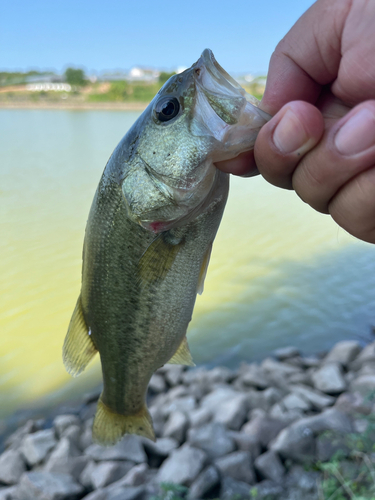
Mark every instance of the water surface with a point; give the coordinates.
(280, 273)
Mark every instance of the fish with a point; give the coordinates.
(149, 236)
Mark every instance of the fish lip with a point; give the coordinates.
(218, 72)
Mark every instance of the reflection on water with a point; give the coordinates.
(280, 274)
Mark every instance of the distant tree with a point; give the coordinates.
(163, 77)
(75, 77)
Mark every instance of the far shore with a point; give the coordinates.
(81, 106)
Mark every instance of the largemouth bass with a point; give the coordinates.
(149, 235)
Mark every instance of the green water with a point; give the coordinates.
(280, 273)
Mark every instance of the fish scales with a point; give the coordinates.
(148, 239)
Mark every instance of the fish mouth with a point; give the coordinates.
(218, 72)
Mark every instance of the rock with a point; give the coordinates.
(62, 422)
(157, 383)
(205, 483)
(73, 433)
(303, 378)
(365, 356)
(199, 416)
(254, 376)
(268, 490)
(14, 440)
(108, 472)
(237, 465)
(219, 375)
(232, 412)
(296, 402)
(85, 477)
(213, 438)
(343, 352)
(329, 379)
(176, 426)
(48, 486)
(73, 466)
(126, 493)
(184, 404)
(129, 448)
(233, 489)
(161, 448)
(305, 481)
(286, 352)
(136, 476)
(96, 495)
(327, 444)
(263, 428)
(269, 466)
(214, 401)
(246, 442)
(297, 441)
(182, 466)
(173, 374)
(313, 396)
(35, 447)
(279, 412)
(277, 370)
(353, 403)
(12, 466)
(64, 449)
(8, 493)
(364, 384)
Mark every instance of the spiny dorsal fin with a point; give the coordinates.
(158, 259)
(109, 427)
(203, 271)
(78, 349)
(183, 355)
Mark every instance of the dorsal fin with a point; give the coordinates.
(78, 349)
(183, 355)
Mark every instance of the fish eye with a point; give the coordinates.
(166, 108)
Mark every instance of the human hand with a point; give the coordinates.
(321, 91)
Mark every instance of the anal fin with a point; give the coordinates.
(78, 349)
(183, 355)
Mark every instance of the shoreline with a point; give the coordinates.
(76, 106)
(261, 431)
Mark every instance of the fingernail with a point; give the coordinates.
(289, 135)
(357, 134)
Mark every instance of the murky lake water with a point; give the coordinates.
(280, 273)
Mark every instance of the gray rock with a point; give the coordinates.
(161, 448)
(232, 412)
(173, 374)
(219, 375)
(353, 403)
(85, 439)
(343, 352)
(182, 466)
(73, 433)
(184, 404)
(8, 493)
(252, 375)
(268, 490)
(48, 486)
(126, 493)
(62, 422)
(329, 378)
(279, 412)
(264, 428)
(237, 465)
(158, 419)
(246, 442)
(14, 440)
(35, 447)
(214, 401)
(205, 482)
(213, 438)
(64, 449)
(12, 466)
(315, 397)
(136, 476)
(199, 416)
(364, 384)
(73, 466)
(297, 441)
(300, 378)
(305, 481)
(327, 444)
(294, 401)
(276, 370)
(129, 448)
(365, 356)
(108, 472)
(366, 369)
(96, 495)
(157, 383)
(176, 426)
(269, 466)
(195, 375)
(85, 477)
(233, 489)
(286, 352)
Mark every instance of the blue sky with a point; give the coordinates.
(107, 34)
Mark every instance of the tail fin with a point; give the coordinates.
(109, 427)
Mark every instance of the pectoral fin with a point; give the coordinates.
(78, 349)
(203, 271)
(158, 258)
(183, 355)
